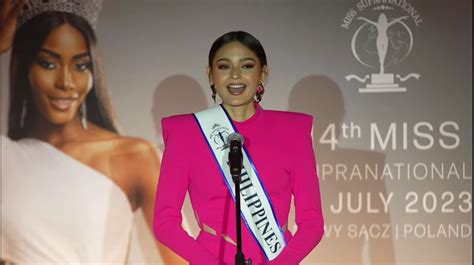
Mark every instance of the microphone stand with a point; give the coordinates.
(235, 159)
(239, 256)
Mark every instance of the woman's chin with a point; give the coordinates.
(238, 102)
(60, 119)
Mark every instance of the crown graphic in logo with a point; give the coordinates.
(87, 9)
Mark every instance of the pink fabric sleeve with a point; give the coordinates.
(309, 217)
(171, 191)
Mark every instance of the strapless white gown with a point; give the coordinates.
(56, 210)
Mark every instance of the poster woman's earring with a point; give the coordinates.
(84, 115)
(24, 109)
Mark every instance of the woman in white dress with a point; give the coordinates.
(70, 181)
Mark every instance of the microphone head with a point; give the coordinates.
(235, 137)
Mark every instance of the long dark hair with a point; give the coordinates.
(29, 39)
(245, 39)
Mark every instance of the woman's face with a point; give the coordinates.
(236, 72)
(61, 77)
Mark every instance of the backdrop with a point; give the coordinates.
(389, 83)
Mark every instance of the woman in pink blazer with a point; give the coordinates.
(279, 145)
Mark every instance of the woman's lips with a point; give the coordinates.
(62, 104)
(236, 89)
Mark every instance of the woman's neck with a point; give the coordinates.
(58, 134)
(242, 112)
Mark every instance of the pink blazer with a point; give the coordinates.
(280, 145)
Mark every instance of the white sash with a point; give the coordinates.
(256, 208)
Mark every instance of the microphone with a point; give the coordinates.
(235, 142)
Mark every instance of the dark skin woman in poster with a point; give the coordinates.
(70, 182)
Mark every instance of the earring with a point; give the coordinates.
(23, 113)
(83, 111)
(260, 91)
(213, 88)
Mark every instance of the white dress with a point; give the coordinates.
(56, 210)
